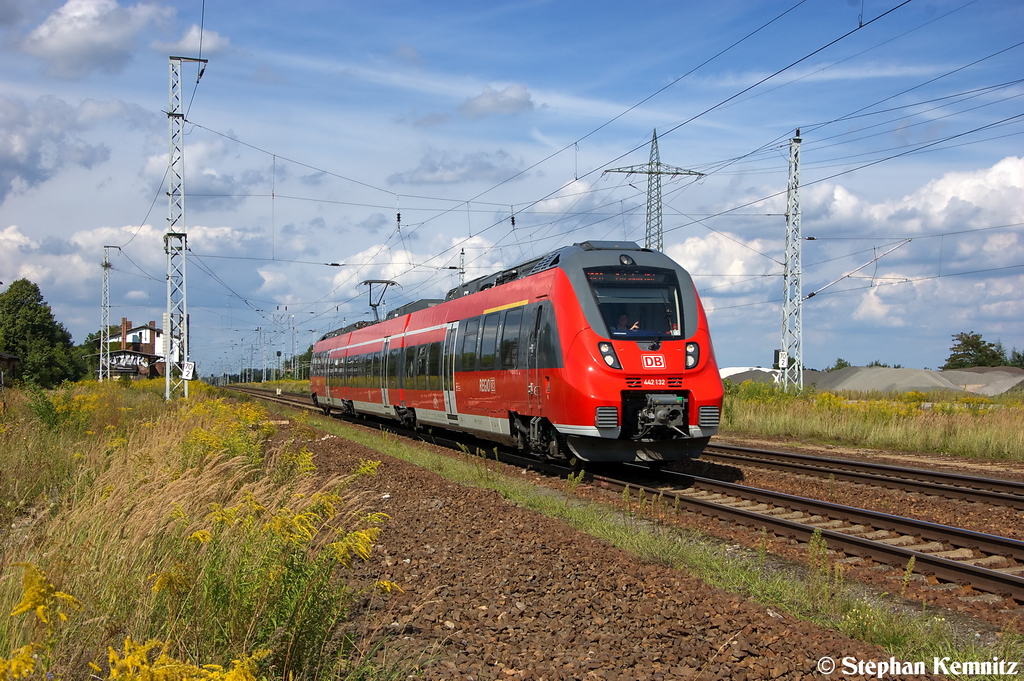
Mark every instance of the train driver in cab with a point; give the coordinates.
(624, 324)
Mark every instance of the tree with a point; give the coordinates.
(970, 350)
(840, 364)
(89, 350)
(28, 330)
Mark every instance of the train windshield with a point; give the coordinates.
(637, 302)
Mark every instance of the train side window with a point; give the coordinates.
(394, 362)
(467, 347)
(421, 367)
(375, 371)
(489, 341)
(549, 354)
(510, 339)
(434, 366)
(408, 367)
(528, 336)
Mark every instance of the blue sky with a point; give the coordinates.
(315, 123)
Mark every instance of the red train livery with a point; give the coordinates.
(599, 350)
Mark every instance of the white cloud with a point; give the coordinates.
(873, 309)
(87, 35)
(438, 167)
(37, 141)
(512, 100)
(194, 41)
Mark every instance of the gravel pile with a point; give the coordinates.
(987, 381)
(493, 591)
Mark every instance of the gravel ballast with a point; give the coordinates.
(494, 591)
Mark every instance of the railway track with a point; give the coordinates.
(936, 483)
(986, 562)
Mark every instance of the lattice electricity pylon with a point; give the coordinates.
(792, 298)
(176, 358)
(104, 372)
(654, 169)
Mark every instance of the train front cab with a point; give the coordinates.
(648, 389)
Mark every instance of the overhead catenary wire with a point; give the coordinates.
(525, 239)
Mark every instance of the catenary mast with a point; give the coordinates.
(104, 373)
(654, 170)
(791, 363)
(177, 368)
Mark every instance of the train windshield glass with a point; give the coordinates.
(637, 302)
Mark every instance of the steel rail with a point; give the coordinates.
(985, 579)
(951, 485)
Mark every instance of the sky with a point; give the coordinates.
(409, 141)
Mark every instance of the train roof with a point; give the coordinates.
(537, 265)
(519, 271)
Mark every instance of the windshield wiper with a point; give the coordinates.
(656, 345)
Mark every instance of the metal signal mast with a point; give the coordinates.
(792, 366)
(654, 169)
(177, 368)
(104, 374)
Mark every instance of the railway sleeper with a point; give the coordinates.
(855, 530)
(1015, 570)
(828, 524)
(991, 561)
(899, 540)
(927, 547)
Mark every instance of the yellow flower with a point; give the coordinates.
(201, 536)
(135, 664)
(172, 580)
(293, 527)
(219, 514)
(384, 586)
(41, 596)
(366, 468)
(375, 518)
(355, 544)
(21, 664)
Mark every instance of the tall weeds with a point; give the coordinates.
(175, 523)
(955, 424)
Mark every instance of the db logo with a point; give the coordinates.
(653, 361)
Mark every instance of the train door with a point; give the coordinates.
(532, 325)
(448, 353)
(384, 367)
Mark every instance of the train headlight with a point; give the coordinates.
(608, 355)
(692, 355)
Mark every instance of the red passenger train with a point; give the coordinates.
(599, 350)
